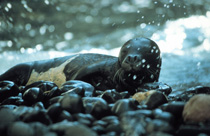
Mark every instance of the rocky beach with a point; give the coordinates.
(76, 108)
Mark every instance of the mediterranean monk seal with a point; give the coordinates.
(139, 62)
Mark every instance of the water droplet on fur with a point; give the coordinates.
(152, 51)
(134, 77)
(148, 66)
(138, 49)
(143, 66)
(98, 84)
(156, 51)
(9, 5)
(129, 75)
(128, 46)
(152, 76)
(154, 47)
(158, 65)
(138, 64)
(143, 60)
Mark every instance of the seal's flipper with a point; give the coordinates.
(19, 74)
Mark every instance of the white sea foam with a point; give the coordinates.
(184, 33)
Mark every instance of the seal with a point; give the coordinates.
(139, 62)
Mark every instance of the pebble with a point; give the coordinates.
(175, 108)
(55, 91)
(39, 128)
(142, 96)
(48, 88)
(152, 98)
(45, 86)
(22, 110)
(155, 100)
(113, 124)
(64, 115)
(145, 112)
(79, 91)
(99, 129)
(39, 106)
(13, 100)
(158, 125)
(115, 127)
(87, 88)
(50, 134)
(199, 90)
(164, 116)
(53, 100)
(71, 129)
(54, 111)
(110, 119)
(33, 95)
(158, 86)
(100, 123)
(76, 108)
(124, 105)
(111, 96)
(7, 89)
(159, 134)
(193, 130)
(197, 109)
(72, 103)
(125, 94)
(100, 109)
(86, 119)
(98, 92)
(37, 116)
(133, 124)
(189, 93)
(12, 107)
(20, 129)
(88, 103)
(6, 118)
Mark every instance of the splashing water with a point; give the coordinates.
(185, 33)
(134, 77)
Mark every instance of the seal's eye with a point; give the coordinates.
(148, 53)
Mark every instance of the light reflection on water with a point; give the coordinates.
(185, 33)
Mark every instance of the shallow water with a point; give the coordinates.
(184, 38)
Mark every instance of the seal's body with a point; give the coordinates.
(60, 70)
(139, 62)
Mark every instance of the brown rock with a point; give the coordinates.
(142, 96)
(197, 109)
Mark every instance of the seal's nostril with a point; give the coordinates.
(131, 59)
(135, 58)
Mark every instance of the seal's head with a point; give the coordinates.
(139, 62)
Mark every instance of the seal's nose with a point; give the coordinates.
(132, 59)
